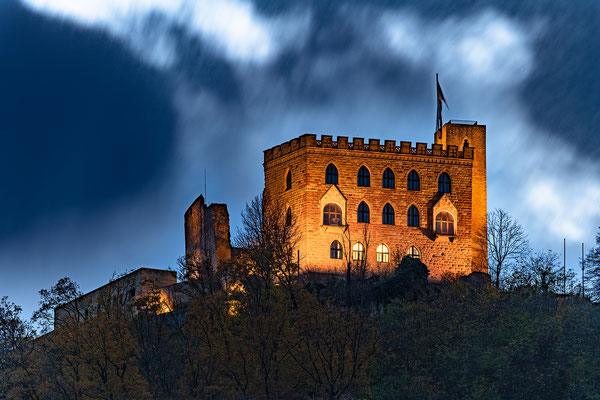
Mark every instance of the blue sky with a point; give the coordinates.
(112, 109)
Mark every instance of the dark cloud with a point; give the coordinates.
(561, 95)
(203, 69)
(83, 123)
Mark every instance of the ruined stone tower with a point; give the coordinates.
(207, 236)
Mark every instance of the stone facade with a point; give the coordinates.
(459, 151)
(121, 291)
(207, 236)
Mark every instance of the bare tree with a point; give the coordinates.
(268, 241)
(541, 272)
(506, 242)
(358, 265)
(592, 262)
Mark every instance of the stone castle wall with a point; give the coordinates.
(307, 159)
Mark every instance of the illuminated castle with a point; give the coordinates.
(352, 203)
(357, 201)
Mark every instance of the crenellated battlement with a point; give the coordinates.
(359, 144)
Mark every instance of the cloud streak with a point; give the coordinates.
(243, 79)
(487, 47)
(232, 27)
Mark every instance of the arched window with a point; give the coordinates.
(388, 215)
(444, 183)
(444, 223)
(335, 251)
(358, 252)
(413, 180)
(288, 217)
(413, 252)
(331, 175)
(413, 216)
(389, 181)
(288, 181)
(363, 213)
(383, 253)
(332, 214)
(364, 177)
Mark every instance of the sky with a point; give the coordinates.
(111, 111)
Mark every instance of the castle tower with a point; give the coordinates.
(472, 135)
(207, 236)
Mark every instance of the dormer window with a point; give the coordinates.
(444, 223)
(332, 215)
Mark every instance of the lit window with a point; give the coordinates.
(383, 253)
(363, 212)
(288, 217)
(335, 251)
(413, 180)
(389, 181)
(444, 223)
(358, 252)
(364, 177)
(332, 215)
(388, 215)
(288, 181)
(331, 175)
(413, 216)
(413, 252)
(444, 183)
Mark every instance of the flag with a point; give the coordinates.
(440, 99)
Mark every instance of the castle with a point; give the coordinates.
(357, 201)
(352, 203)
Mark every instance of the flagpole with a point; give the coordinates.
(437, 99)
(564, 266)
(582, 273)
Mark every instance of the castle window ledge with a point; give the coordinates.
(333, 227)
(444, 238)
